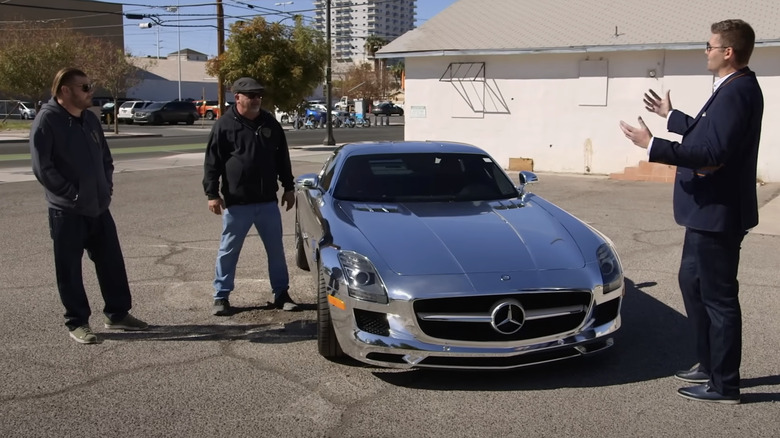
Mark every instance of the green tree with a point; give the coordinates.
(30, 57)
(397, 70)
(373, 44)
(288, 60)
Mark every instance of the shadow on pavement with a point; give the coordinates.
(271, 333)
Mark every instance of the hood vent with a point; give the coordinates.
(376, 208)
(507, 204)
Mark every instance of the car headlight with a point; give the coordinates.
(609, 265)
(361, 277)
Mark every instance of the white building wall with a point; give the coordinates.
(538, 106)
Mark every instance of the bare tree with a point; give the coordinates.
(111, 69)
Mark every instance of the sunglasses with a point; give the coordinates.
(86, 87)
(253, 95)
(708, 48)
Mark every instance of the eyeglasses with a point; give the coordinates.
(86, 87)
(253, 95)
(709, 47)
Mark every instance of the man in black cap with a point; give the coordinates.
(247, 149)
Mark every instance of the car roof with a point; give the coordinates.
(412, 147)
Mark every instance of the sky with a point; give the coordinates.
(197, 25)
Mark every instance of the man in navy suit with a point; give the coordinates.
(715, 200)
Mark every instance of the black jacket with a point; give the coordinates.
(70, 157)
(715, 185)
(249, 156)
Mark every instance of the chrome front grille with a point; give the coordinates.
(493, 318)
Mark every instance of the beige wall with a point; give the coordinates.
(540, 107)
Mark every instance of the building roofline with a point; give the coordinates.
(555, 50)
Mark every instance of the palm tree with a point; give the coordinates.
(372, 45)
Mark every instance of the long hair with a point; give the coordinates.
(64, 77)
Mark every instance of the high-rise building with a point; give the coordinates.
(353, 21)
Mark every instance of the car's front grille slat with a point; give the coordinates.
(545, 314)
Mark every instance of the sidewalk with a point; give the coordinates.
(24, 135)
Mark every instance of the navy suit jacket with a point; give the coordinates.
(715, 185)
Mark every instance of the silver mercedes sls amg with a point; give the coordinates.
(426, 254)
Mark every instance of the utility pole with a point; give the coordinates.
(220, 50)
(329, 140)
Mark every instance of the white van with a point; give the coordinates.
(10, 109)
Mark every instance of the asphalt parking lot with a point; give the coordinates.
(257, 373)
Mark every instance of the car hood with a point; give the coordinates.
(465, 237)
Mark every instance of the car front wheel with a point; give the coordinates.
(327, 343)
(300, 252)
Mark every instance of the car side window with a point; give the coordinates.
(326, 175)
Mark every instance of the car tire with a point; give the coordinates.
(209, 115)
(300, 252)
(327, 343)
(190, 119)
(285, 120)
(129, 121)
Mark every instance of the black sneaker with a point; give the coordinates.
(284, 302)
(221, 307)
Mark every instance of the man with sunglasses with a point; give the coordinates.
(71, 159)
(247, 151)
(715, 200)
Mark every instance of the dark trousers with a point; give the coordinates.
(708, 281)
(73, 233)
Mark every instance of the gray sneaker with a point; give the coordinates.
(284, 302)
(129, 322)
(221, 307)
(83, 335)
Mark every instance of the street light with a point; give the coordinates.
(283, 5)
(329, 140)
(149, 25)
(178, 30)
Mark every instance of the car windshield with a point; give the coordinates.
(422, 177)
(127, 104)
(155, 105)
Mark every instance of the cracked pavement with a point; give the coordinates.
(257, 372)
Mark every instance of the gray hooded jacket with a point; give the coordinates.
(71, 159)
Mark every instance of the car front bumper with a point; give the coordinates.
(393, 338)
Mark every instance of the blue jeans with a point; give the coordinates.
(236, 222)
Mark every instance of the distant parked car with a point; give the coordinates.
(107, 113)
(167, 112)
(106, 108)
(209, 109)
(387, 109)
(15, 109)
(128, 109)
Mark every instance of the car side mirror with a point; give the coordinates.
(526, 177)
(307, 181)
